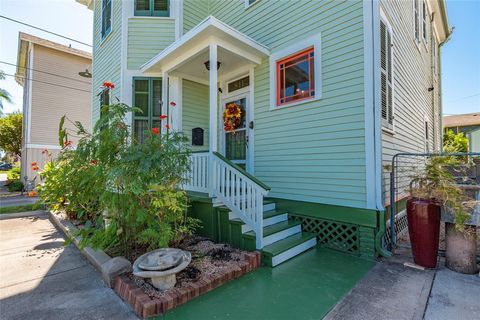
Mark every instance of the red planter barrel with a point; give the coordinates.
(424, 229)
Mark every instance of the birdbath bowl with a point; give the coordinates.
(161, 266)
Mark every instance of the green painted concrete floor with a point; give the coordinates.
(306, 287)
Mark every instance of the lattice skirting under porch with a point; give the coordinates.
(401, 228)
(332, 234)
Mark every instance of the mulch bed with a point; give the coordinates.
(212, 265)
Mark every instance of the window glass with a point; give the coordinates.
(142, 5)
(295, 77)
(159, 8)
(141, 97)
(147, 96)
(160, 5)
(239, 84)
(157, 97)
(106, 17)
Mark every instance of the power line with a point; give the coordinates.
(56, 34)
(52, 74)
(45, 82)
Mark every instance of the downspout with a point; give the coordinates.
(377, 137)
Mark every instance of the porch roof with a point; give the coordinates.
(195, 41)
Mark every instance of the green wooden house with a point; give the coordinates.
(291, 107)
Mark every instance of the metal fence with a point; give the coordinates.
(406, 166)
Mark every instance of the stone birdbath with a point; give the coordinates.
(161, 266)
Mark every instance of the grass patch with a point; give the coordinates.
(22, 208)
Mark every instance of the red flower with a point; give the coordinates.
(155, 131)
(33, 164)
(108, 85)
(173, 104)
(45, 151)
(67, 143)
(93, 162)
(163, 116)
(167, 126)
(34, 168)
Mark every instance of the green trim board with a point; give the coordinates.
(358, 216)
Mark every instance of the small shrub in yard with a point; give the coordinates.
(14, 173)
(15, 186)
(127, 194)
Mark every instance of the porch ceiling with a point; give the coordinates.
(195, 66)
(235, 49)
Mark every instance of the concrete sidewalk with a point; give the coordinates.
(42, 279)
(396, 292)
(17, 201)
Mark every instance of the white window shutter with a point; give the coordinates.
(386, 76)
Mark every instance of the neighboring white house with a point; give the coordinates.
(52, 87)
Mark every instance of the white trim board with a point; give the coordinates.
(207, 29)
(42, 146)
(299, 46)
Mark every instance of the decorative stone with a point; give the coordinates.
(113, 268)
(161, 266)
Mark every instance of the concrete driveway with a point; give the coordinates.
(42, 279)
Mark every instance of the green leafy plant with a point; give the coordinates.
(127, 194)
(454, 142)
(15, 186)
(14, 173)
(437, 183)
(11, 134)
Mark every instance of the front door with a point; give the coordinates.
(235, 141)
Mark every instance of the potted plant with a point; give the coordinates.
(434, 190)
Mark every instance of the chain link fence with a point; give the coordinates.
(406, 166)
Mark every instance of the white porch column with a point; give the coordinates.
(175, 95)
(213, 98)
(165, 101)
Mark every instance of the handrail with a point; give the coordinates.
(248, 175)
(232, 186)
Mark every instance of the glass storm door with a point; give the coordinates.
(236, 140)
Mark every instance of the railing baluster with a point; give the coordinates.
(243, 196)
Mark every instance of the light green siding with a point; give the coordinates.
(315, 151)
(148, 36)
(195, 111)
(194, 11)
(106, 54)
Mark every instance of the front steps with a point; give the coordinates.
(282, 238)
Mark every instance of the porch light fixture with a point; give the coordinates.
(207, 65)
(85, 74)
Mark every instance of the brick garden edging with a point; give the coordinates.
(145, 307)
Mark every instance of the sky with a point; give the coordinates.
(460, 55)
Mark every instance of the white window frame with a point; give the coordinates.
(416, 21)
(248, 5)
(425, 19)
(388, 127)
(313, 41)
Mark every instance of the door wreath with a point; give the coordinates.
(232, 116)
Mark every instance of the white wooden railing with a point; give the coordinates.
(197, 177)
(239, 191)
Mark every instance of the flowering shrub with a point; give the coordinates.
(127, 194)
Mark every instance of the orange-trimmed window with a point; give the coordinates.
(296, 77)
